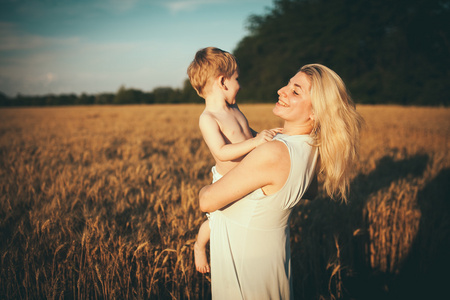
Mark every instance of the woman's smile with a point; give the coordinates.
(282, 103)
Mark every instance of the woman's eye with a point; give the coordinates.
(294, 92)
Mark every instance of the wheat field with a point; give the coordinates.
(100, 202)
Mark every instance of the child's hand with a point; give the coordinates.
(276, 130)
(266, 136)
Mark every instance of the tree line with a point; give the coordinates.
(160, 95)
(386, 51)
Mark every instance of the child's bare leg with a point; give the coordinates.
(201, 261)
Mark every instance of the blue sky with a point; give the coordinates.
(94, 46)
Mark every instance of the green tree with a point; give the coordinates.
(167, 95)
(128, 96)
(104, 98)
(4, 100)
(85, 99)
(386, 51)
(188, 94)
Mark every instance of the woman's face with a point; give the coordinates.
(294, 101)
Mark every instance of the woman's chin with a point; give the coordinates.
(276, 110)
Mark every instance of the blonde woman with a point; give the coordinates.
(250, 250)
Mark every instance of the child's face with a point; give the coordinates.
(233, 87)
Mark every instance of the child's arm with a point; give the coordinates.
(218, 146)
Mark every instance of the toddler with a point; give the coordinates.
(214, 75)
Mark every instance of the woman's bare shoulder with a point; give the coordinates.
(274, 147)
(269, 153)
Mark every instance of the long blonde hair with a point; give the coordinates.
(336, 130)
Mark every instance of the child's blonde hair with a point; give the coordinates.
(336, 130)
(209, 63)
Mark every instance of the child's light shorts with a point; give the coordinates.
(216, 176)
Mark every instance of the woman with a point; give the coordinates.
(250, 249)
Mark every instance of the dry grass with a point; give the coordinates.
(101, 202)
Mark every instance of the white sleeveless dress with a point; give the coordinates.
(250, 248)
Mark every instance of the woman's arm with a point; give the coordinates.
(266, 167)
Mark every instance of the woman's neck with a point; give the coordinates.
(297, 129)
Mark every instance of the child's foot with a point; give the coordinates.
(201, 262)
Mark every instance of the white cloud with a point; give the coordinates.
(33, 64)
(11, 38)
(50, 77)
(188, 5)
(176, 6)
(117, 6)
(73, 8)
